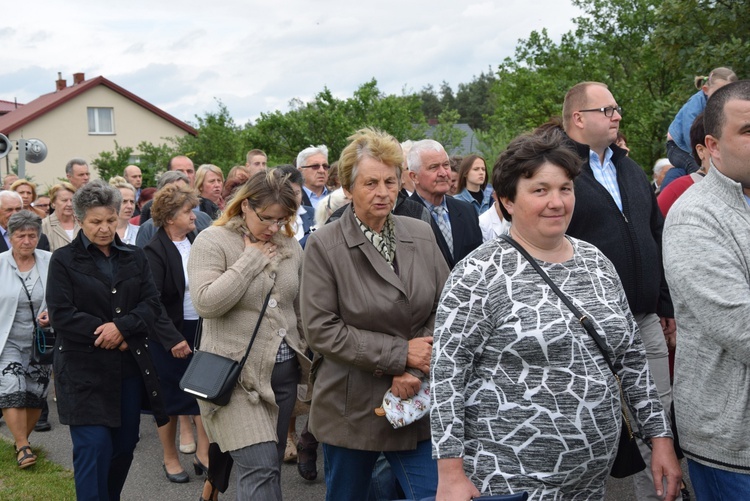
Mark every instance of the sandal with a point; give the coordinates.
(28, 458)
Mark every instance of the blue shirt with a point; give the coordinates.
(606, 174)
(679, 129)
(431, 208)
(314, 198)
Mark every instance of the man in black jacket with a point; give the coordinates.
(616, 210)
(454, 222)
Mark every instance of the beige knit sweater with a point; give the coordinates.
(228, 284)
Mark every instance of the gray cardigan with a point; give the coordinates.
(707, 265)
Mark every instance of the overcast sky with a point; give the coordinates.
(256, 56)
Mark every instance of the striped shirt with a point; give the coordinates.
(606, 174)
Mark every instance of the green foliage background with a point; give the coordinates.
(647, 51)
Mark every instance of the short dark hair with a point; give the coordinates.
(523, 157)
(95, 194)
(295, 176)
(697, 136)
(713, 115)
(24, 220)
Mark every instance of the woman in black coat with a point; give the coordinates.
(168, 252)
(101, 300)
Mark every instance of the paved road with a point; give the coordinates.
(147, 482)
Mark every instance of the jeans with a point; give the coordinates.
(680, 158)
(102, 455)
(349, 471)
(714, 484)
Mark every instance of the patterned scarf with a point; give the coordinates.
(384, 242)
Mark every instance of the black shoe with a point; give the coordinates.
(199, 467)
(42, 426)
(307, 462)
(177, 478)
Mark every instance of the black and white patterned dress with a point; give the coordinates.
(520, 389)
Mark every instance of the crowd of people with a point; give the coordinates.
(398, 270)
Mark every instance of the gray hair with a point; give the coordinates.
(72, 162)
(169, 177)
(405, 149)
(9, 194)
(24, 220)
(95, 194)
(414, 160)
(120, 182)
(660, 165)
(308, 152)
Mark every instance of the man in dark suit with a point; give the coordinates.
(454, 222)
(10, 203)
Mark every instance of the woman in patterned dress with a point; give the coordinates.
(523, 399)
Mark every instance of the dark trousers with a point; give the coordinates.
(102, 455)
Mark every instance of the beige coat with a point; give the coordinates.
(359, 315)
(228, 284)
(56, 233)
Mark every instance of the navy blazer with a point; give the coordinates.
(169, 277)
(467, 235)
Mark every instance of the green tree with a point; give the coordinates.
(447, 134)
(111, 163)
(473, 101)
(219, 140)
(329, 120)
(431, 106)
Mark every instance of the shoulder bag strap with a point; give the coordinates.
(199, 330)
(257, 326)
(585, 322)
(31, 306)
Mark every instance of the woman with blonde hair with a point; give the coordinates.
(125, 229)
(249, 252)
(61, 226)
(209, 181)
(27, 190)
(678, 137)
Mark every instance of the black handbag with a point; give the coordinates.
(628, 460)
(43, 340)
(212, 377)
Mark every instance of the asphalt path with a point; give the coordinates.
(146, 480)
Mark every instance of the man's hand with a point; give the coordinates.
(453, 484)
(181, 350)
(664, 464)
(406, 385)
(669, 328)
(419, 354)
(108, 336)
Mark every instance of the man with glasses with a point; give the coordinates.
(616, 210)
(312, 162)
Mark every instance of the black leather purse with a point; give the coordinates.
(43, 340)
(212, 377)
(628, 460)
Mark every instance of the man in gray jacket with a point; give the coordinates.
(707, 264)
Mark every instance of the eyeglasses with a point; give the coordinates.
(270, 222)
(609, 111)
(316, 166)
(43, 206)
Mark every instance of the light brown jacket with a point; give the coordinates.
(359, 315)
(56, 233)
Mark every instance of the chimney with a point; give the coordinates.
(78, 78)
(60, 83)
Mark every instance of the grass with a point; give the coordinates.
(41, 482)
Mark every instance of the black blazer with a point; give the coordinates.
(467, 235)
(42, 244)
(80, 298)
(169, 277)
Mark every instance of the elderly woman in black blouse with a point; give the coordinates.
(101, 300)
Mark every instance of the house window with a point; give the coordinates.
(101, 121)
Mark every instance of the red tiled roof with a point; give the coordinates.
(41, 105)
(8, 106)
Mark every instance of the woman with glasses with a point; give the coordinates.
(249, 251)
